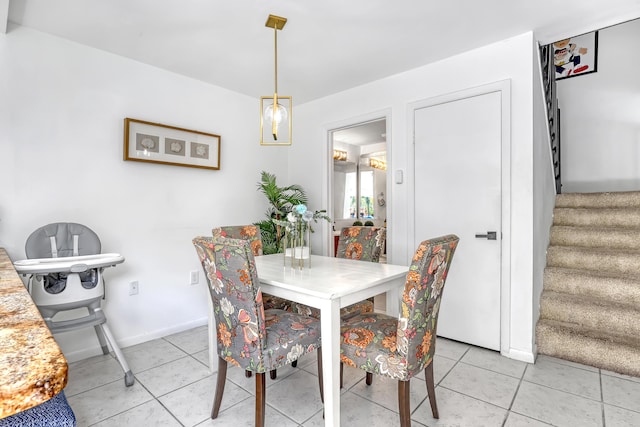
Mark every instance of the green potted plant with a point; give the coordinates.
(282, 201)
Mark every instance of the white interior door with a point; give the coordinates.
(458, 147)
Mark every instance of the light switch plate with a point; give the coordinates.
(399, 176)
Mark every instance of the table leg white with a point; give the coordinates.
(330, 324)
(393, 297)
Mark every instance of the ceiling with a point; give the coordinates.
(326, 46)
(372, 132)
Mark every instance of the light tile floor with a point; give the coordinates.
(475, 387)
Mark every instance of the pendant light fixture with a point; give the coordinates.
(275, 111)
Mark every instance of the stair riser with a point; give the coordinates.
(599, 200)
(590, 306)
(589, 238)
(604, 261)
(623, 218)
(589, 351)
(617, 290)
(617, 320)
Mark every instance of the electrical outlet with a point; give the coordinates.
(194, 278)
(133, 288)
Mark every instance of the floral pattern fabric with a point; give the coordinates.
(251, 233)
(360, 243)
(249, 336)
(401, 348)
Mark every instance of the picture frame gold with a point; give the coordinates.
(170, 145)
(284, 130)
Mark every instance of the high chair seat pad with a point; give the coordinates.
(62, 239)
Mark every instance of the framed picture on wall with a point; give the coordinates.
(576, 56)
(170, 145)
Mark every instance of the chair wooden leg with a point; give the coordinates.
(369, 378)
(247, 374)
(320, 374)
(261, 398)
(273, 374)
(222, 378)
(404, 403)
(431, 389)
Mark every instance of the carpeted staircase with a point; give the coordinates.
(590, 305)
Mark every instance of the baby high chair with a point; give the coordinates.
(65, 267)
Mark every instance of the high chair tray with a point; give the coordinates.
(70, 264)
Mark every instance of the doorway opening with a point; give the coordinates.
(358, 171)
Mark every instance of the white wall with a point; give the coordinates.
(509, 59)
(544, 190)
(61, 139)
(600, 124)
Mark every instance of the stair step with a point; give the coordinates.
(591, 313)
(597, 259)
(599, 200)
(618, 288)
(563, 235)
(590, 304)
(589, 347)
(599, 217)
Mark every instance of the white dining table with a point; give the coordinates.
(328, 284)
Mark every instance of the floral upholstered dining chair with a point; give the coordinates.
(401, 348)
(361, 243)
(249, 336)
(251, 233)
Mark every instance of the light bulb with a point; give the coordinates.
(275, 116)
(279, 116)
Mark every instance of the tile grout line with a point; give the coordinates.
(157, 398)
(602, 392)
(252, 396)
(436, 385)
(454, 365)
(602, 377)
(513, 399)
(564, 391)
(133, 407)
(509, 409)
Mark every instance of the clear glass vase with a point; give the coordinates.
(297, 247)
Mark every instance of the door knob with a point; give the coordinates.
(491, 235)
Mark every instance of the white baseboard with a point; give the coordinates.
(523, 356)
(85, 353)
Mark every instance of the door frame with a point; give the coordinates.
(504, 88)
(327, 192)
